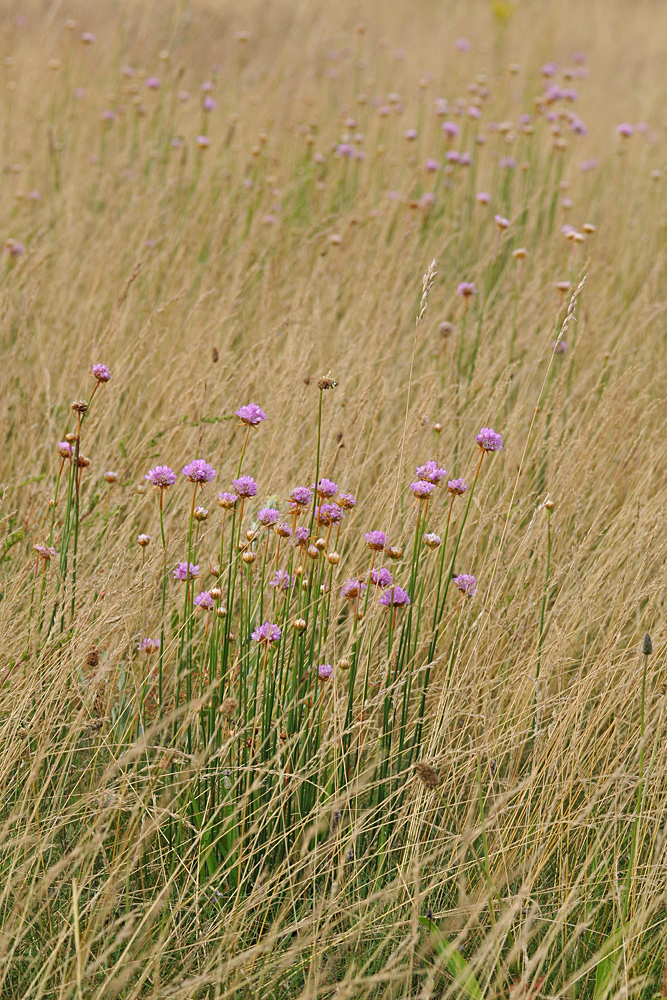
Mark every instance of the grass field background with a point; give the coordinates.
(472, 804)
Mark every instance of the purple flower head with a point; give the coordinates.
(421, 489)
(324, 671)
(209, 104)
(559, 346)
(394, 597)
(203, 141)
(161, 476)
(352, 589)
(411, 134)
(87, 38)
(549, 69)
(474, 112)
(463, 45)
(347, 501)
(376, 540)
(152, 83)
(507, 163)
(427, 200)
(204, 600)
(329, 513)
(301, 535)
(483, 197)
(489, 440)
(101, 373)
(65, 449)
(251, 414)
(283, 530)
(381, 577)
(326, 488)
(300, 497)
(450, 129)
(14, 248)
(47, 552)
(181, 571)
(457, 487)
(227, 500)
(282, 580)
(465, 159)
(199, 471)
(148, 646)
(588, 165)
(345, 150)
(430, 472)
(452, 156)
(501, 221)
(466, 583)
(431, 165)
(245, 486)
(268, 515)
(466, 289)
(625, 130)
(578, 127)
(431, 540)
(266, 634)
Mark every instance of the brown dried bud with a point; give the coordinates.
(326, 382)
(93, 657)
(334, 558)
(216, 593)
(647, 645)
(214, 355)
(437, 428)
(428, 776)
(83, 462)
(228, 708)
(79, 406)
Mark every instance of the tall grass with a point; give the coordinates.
(400, 734)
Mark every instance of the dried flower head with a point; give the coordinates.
(251, 414)
(428, 776)
(647, 645)
(79, 406)
(326, 382)
(199, 471)
(228, 708)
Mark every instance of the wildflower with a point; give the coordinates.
(324, 671)
(200, 513)
(209, 104)
(625, 130)
(203, 141)
(347, 501)
(301, 535)
(430, 472)
(411, 134)
(79, 406)
(326, 488)
(266, 634)
(450, 129)
(268, 516)
(431, 540)
(466, 289)
(199, 471)
(46, 552)
(88, 38)
(300, 498)
(14, 248)
(489, 440)
(181, 571)
(463, 45)
(144, 540)
(466, 583)
(284, 531)
(161, 476)
(245, 486)
(376, 540)
(395, 597)
(428, 776)
(282, 580)
(111, 477)
(101, 373)
(431, 165)
(204, 600)
(507, 163)
(326, 382)
(394, 551)
(421, 489)
(381, 578)
(457, 487)
(148, 646)
(251, 415)
(352, 589)
(65, 449)
(501, 221)
(152, 83)
(299, 624)
(559, 346)
(227, 500)
(483, 197)
(329, 513)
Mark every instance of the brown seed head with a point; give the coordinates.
(93, 657)
(326, 382)
(428, 776)
(228, 708)
(79, 406)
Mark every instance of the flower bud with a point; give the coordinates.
(79, 406)
(334, 558)
(299, 624)
(144, 540)
(647, 645)
(221, 612)
(251, 535)
(215, 593)
(248, 557)
(344, 664)
(71, 438)
(111, 477)
(394, 551)
(321, 544)
(313, 551)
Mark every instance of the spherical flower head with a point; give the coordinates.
(489, 440)
(251, 415)
(347, 501)
(431, 540)
(148, 646)
(267, 634)
(268, 516)
(430, 472)
(143, 540)
(203, 141)
(300, 497)
(204, 600)
(463, 45)
(483, 197)
(376, 540)
(329, 513)
(326, 488)
(421, 489)
(324, 671)
(245, 486)
(200, 513)
(152, 83)
(381, 578)
(209, 104)
(450, 129)
(14, 248)
(47, 552)
(283, 530)
(466, 583)
(65, 449)
(559, 346)
(227, 500)
(161, 476)
(352, 589)
(394, 597)
(199, 471)
(282, 580)
(501, 221)
(101, 373)
(457, 487)
(466, 289)
(181, 571)
(431, 166)
(625, 130)
(111, 477)
(301, 535)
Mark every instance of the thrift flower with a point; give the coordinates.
(381, 578)
(395, 597)
(161, 476)
(143, 540)
(457, 487)
(421, 489)
(65, 449)
(301, 535)
(46, 552)
(251, 415)
(352, 589)
(181, 571)
(625, 130)
(227, 500)
(282, 580)
(326, 488)
(329, 513)
(347, 500)
(324, 671)
(376, 540)
(266, 634)
(431, 540)
(300, 497)
(245, 486)
(101, 373)
(466, 289)
(204, 600)
(199, 471)
(430, 472)
(283, 530)
(148, 646)
(200, 513)
(466, 584)
(489, 440)
(268, 516)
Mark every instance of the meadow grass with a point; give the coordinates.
(400, 734)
